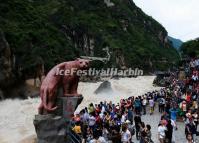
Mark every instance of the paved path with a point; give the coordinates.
(154, 119)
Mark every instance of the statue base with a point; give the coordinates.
(50, 129)
(55, 128)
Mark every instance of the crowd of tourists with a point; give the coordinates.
(118, 123)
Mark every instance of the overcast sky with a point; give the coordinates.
(179, 17)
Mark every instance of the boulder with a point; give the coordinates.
(104, 88)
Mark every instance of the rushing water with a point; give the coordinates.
(16, 116)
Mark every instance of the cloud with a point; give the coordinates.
(179, 17)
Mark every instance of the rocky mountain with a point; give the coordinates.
(50, 32)
(191, 48)
(177, 43)
(5, 64)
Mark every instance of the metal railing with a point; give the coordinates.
(74, 138)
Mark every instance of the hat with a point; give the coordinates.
(127, 121)
(115, 116)
(189, 115)
(117, 107)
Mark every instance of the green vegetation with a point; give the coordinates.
(191, 48)
(59, 30)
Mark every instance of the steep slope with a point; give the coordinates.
(177, 43)
(191, 48)
(54, 31)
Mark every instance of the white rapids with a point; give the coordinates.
(16, 116)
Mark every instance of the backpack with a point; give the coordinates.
(160, 101)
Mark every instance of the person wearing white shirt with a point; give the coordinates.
(85, 117)
(144, 102)
(91, 121)
(103, 109)
(123, 119)
(161, 132)
(99, 140)
(190, 139)
(125, 135)
(101, 115)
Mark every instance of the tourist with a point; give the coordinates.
(161, 131)
(91, 108)
(137, 120)
(97, 138)
(144, 103)
(105, 132)
(190, 127)
(148, 134)
(115, 136)
(130, 115)
(165, 116)
(143, 133)
(151, 104)
(183, 107)
(163, 103)
(77, 128)
(130, 127)
(169, 132)
(195, 118)
(173, 113)
(126, 135)
(189, 138)
(91, 121)
(160, 105)
(124, 117)
(84, 116)
(137, 105)
(89, 134)
(167, 105)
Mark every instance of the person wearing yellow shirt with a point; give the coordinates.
(77, 128)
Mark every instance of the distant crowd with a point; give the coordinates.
(118, 123)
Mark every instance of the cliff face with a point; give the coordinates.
(6, 75)
(60, 30)
(11, 81)
(5, 61)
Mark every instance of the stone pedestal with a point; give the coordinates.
(55, 128)
(69, 106)
(50, 129)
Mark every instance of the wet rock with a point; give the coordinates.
(104, 88)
